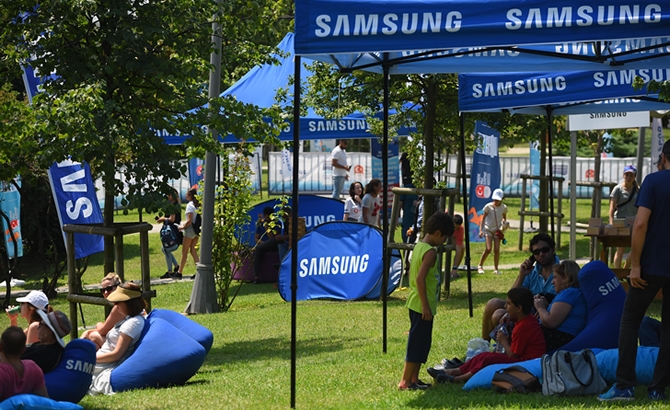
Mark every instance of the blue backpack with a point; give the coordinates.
(169, 236)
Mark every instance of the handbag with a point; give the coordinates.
(571, 374)
(515, 379)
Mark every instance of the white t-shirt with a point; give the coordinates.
(191, 209)
(352, 209)
(494, 216)
(131, 327)
(373, 207)
(341, 156)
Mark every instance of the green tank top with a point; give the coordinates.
(432, 280)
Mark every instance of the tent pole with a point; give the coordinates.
(551, 173)
(385, 166)
(573, 195)
(465, 212)
(294, 221)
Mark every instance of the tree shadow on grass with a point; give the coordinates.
(274, 348)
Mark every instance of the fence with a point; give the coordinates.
(316, 174)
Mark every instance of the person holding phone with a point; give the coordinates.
(535, 273)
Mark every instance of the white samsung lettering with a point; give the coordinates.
(609, 286)
(312, 221)
(519, 87)
(73, 210)
(387, 24)
(625, 77)
(550, 17)
(68, 186)
(79, 366)
(333, 265)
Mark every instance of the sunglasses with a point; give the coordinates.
(538, 251)
(109, 289)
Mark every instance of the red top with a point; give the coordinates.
(459, 233)
(12, 384)
(528, 339)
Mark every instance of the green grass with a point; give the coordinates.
(340, 362)
(583, 209)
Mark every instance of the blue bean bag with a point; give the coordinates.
(30, 401)
(198, 332)
(70, 380)
(163, 356)
(644, 366)
(605, 298)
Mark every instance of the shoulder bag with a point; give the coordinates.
(571, 374)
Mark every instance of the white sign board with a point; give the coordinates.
(608, 120)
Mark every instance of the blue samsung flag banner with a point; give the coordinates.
(315, 209)
(535, 170)
(345, 26)
(76, 203)
(393, 169)
(485, 176)
(10, 204)
(564, 91)
(195, 171)
(337, 260)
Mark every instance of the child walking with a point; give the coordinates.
(527, 341)
(493, 221)
(424, 282)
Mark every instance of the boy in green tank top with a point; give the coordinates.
(424, 282)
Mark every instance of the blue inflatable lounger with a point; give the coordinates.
(70, 380)
(155, 363)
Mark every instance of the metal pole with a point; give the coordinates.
(573, 195)
(294, 223)
(203, 296)
(385, 223)
(464, 187)
(551, 173)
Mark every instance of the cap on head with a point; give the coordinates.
(36, 298)
(58, 323)
(122, 294)
(630, 168)
(498, 195)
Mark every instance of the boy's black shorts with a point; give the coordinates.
(420, 338)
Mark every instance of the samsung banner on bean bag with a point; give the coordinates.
(336, 260)
(315, 209)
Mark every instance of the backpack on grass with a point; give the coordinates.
(169, 236)
(515, 379)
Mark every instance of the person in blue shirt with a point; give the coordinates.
(535, 273)
(650, 261)
(565, 316)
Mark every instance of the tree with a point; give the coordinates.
(126, 69)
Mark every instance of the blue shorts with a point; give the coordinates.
(420, 338)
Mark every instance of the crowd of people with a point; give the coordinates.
(26, 355)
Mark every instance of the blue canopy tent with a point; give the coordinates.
(538, 35)
(259, 86)
(372, 34)
(560, 93)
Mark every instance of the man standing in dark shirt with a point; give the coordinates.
(48, 351)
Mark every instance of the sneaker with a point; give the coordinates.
(433, 372)
(176, 269)
(420, 383)
(656, 395)
(444, 378)
(167, 275)
(480, 270)
(414, 386)
(615, 394)
(454, 274)
(176, 276)
(496, 272)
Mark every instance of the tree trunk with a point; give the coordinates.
(429, 140)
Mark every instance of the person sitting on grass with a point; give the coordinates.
(527, 341)
(30, 304)
(535, 273)
(97, 336)
(48, 351)
(424, 283)
(18, 376)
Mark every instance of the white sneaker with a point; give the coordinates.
(480, 269)
(495, 272)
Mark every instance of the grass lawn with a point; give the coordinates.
(340, 363)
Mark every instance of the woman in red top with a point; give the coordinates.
(527, 340)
